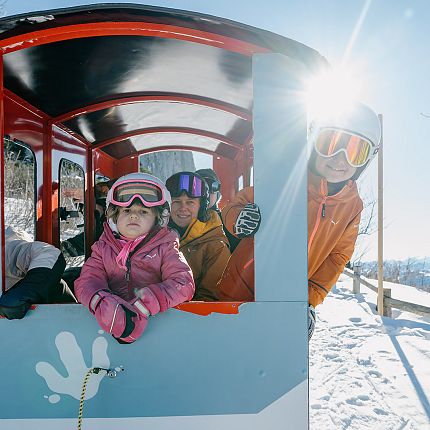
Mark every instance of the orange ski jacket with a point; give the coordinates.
(333, 223)
(205, 247)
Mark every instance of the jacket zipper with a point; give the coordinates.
(320, 214)
(127, 274)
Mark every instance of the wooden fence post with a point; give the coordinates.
(356, 280)
(387, 308)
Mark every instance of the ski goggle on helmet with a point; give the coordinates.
(190, 183)
(356, 133)
(194, 186)
(144, 187)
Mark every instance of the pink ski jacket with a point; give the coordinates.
(157, 264)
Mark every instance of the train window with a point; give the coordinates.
(163, 164)
(101, 189)
(19, 187)
(240, 183)
(71, 213)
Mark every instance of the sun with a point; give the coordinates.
(331, 92)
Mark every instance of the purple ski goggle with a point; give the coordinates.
(189, 183)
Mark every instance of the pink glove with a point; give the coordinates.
(114, 315)
(140, 321)
(144, 305)
(147, 299)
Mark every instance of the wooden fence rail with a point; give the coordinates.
(389, 302)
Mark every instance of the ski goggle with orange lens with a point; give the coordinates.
(358, 150)
(149, 193)
(189, 183)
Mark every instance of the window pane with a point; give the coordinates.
(19, 187)
(240, 183)
(71, 213)
(164, 164)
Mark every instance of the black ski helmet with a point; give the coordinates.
(211, 178)
(194, 186)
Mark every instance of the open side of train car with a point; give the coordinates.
(85, 92)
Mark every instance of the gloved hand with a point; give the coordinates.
(144, 305)
(311, 321)
(248, 221)
(147, 301)
(140, 321)
(13, 306)
(114, 315)
(33, 288)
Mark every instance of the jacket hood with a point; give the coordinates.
(203, 231)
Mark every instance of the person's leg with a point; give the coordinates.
(61, 293)
(56, 289)
(70, 275)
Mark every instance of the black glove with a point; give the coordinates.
(15, 303)
(311, 321)
(12, 306)
(248, 221)
(40, 285)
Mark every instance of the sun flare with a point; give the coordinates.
(332, 92)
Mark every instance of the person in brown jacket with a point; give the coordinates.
(343, 146)
(202, 239)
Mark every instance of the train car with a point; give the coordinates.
(85, 93)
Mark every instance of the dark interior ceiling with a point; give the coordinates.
(60, 77)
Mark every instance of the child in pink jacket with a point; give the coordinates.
(135, 269)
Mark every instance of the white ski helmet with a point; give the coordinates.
(144, 178)
(358, 119)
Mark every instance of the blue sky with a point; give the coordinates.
(390, 53)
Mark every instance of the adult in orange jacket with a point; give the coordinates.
(343, 146)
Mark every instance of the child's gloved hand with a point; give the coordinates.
(144, 305)
(140, 321)
(148, 300)
(248, 221)
(311, 321)
(114, 315)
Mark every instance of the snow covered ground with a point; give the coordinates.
(368, 372)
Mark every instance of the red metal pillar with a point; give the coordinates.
(45, 194)
(2, 174)
(89, 201)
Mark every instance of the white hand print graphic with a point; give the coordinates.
(73, 360)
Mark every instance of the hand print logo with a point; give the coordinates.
(73, 360)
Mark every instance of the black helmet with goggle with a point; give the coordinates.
(194, 186)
